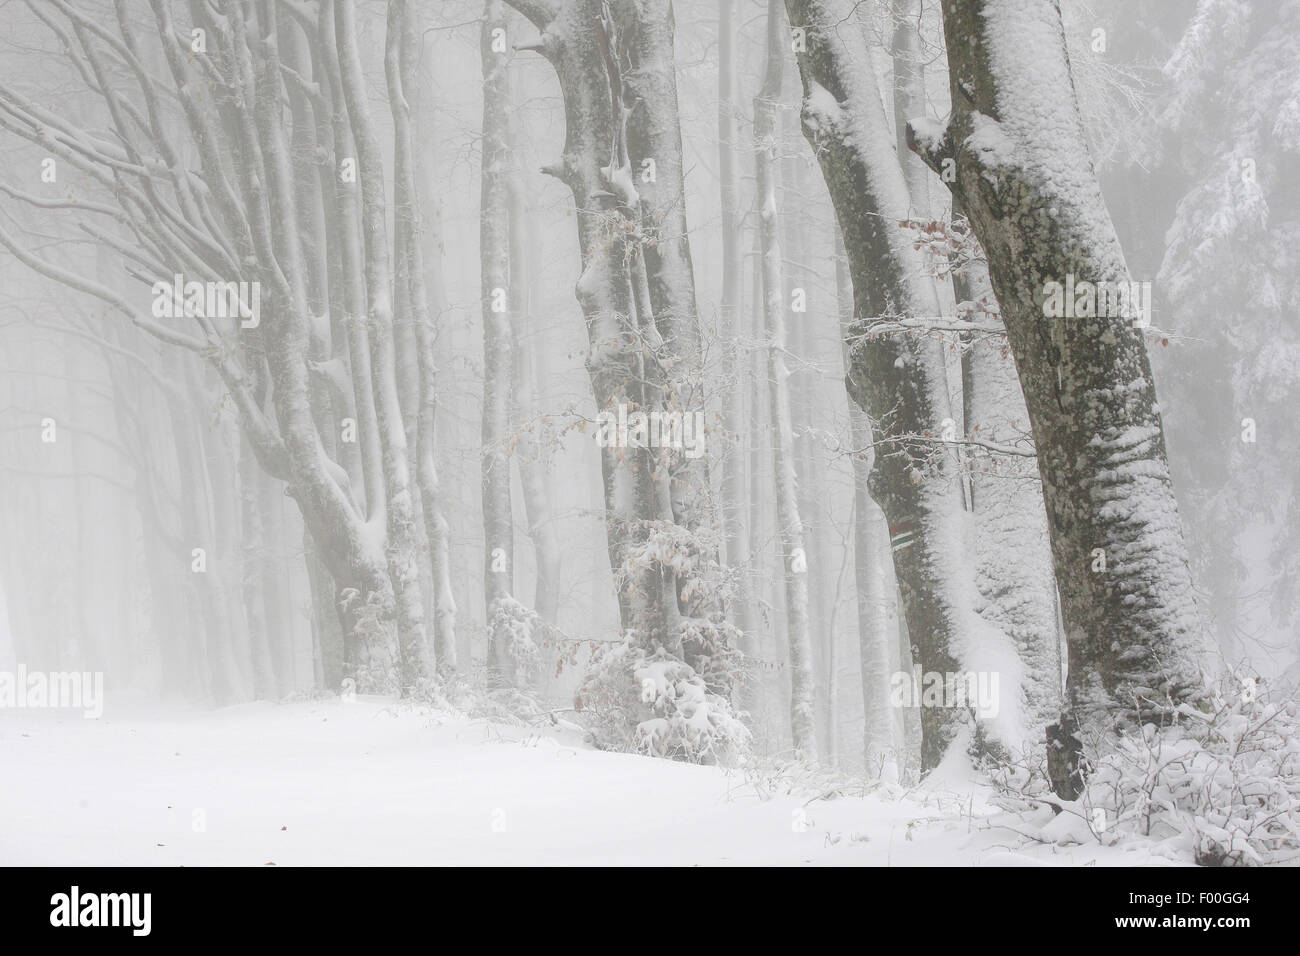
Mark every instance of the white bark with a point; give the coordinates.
(734, 509)
(793, 552)
(403, 567)
(497, 298)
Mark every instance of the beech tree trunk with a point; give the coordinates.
(877, 614)
(497, 298)
(534, 466)
(654, 146)
(1013, 569)
(794, 557)
(898, 379)
(403, 565)
(624, 369)
(427, 292)
(1017, 161)
(734, 512)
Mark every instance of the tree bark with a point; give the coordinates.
(654, 136)
(734, 509)
(899, 381)
(624, 370)
(1024, 176)
(403, 565)
(803, 721)
(497, 299)
(877, 622)
(427, 290)
(534, 466)
(1013, 569)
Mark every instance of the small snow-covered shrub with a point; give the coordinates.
(713, 647)
(653, 703)
(376, 653)
(709, 643)
(1223, 780)
(668, 546)
(1220, 784)
(516, 624)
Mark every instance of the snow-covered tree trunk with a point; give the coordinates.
(803, 719)
(327, 631)
(355, 552)
(796, 252)
(427, 294)
(734, 510)
(400, 67)
(899, 381)
(1013, 569)
(576, 38)
(1016, 597)
(367, 613)
(403, 103)
(1015, 155)
(252, 546)
(909, 99)
(877, 624)
(770, 693)
(403, 565)
(498, 340)
(654, 146)
(534, 465)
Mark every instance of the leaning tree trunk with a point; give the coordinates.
(898, 380)
(1012, 563)
(1023, 174)
(803, 717)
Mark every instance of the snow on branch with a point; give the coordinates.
(929, 139)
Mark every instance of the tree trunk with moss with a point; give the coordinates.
(1014, 154)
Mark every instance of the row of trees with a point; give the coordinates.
(239, 142)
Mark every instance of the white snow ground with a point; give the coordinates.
(372, 783)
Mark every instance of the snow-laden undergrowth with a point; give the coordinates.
(654, 704)
(1218, 785)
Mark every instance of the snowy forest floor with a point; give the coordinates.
(374, 783)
